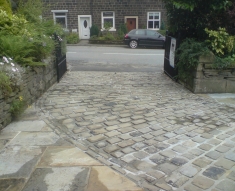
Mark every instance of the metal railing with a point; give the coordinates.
(60, 58)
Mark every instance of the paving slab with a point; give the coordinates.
(18, 161)
(63, 178)
(66, 156)
(105, 179)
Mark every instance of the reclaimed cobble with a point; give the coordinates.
(147, 127)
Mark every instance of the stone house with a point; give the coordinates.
(80, 15)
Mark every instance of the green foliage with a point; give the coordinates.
(109, 36)
(17, 106)
(31, 9)
(220, 42)
(6, 6)
(107, 26)
(12, 24)
(162, 27)
(189, 18)
(162, 32)
(72, 38)
(5, 84)
(122, 31)
(94, 30)
(188, 57)
(222, 45)
(20, 49)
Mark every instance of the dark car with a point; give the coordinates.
(144, 37)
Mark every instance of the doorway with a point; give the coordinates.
(84, 25)
(131, 22)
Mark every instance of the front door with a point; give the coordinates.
(131, 23)
(85, 27)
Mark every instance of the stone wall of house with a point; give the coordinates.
(94, 8)
(124, 8)
(70, 5)
(35, 82)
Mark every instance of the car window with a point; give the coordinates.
(151, 33)
(140, 32)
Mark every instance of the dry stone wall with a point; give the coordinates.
(207, 79)
(35, 82)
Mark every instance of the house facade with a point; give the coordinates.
(80, 15)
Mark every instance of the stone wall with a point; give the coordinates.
(94, 8)
(206, 79)
(35, 82)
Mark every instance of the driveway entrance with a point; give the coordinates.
(146, 127)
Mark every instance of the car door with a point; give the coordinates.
(141, 36)
(154, 38)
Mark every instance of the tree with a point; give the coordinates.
(189, 18)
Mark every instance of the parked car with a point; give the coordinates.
(144, 37)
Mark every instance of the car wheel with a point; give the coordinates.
(133, 44)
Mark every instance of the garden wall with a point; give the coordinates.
(206, 79)
(35, 82)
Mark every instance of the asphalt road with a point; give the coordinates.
(115, 59)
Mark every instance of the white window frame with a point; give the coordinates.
(154, 20)
(107, 17)
(60, 16)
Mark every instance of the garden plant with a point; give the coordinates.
(203, 28)
(26, 41)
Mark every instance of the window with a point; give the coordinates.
(108, 20)
(154, 20)
(140, 32)
(60, 17)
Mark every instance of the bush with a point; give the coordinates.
(220, 42)
(6, 5)
(94, 30)
(162, 32)
(109, 36)
(72, 38)
(223, 47)
(20, 49)
(188, 57)
(31, 9)
(12, 24)
(17, 106)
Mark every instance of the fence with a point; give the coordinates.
(60, 59)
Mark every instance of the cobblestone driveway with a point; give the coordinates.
(146, 127)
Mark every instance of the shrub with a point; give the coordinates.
(6, 5)
(12, 24)
(109, 36)
(162, 32)
(94, 30)
(20, 49)
(188, 57)
(31, 9)
(17, 106)
(220, 42)
(223, 47)
(72, 38)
